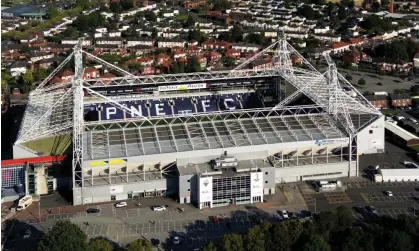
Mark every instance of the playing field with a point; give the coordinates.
(50, 146)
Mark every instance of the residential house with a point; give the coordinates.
(74, 40)
(215, 44)
(193, 4)
(163, 60)
(356, 41)
(400, 100)
(385, 64)
(114, 34)
(34, 57)
(145, 61)
(170, 43)
(193, 50)
(328, 37)
(149, 70)
(139, 50)
(109, 41)
(379, 101)
(48, 62)
(90, 72)
(260, 64)
(202, 60)
(416, 60)
(214, 56)
(340, 47)
(232, 53)
(243, 47)
(18, 69)
(140, 41)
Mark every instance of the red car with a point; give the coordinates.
(214, 219)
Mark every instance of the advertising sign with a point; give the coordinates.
(182, 87)
(205, 189)
(256, 184)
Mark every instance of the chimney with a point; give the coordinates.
(391, 6)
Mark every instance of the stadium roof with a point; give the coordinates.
(210, 133)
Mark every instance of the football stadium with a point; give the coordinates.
(207, 138)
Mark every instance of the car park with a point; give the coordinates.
(388, 193)
(92, 210)
(159, 208)
(121, 204)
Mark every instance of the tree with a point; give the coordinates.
(342, 12)
(83, 3)
(131, 32)
(316, 243)
(52, 12)
(398, 241)
(194, 65)
(210, 247)
(25, 49)
(154, 33)
(229, 62)
(64, 236)
(255, 239)
(361, 81)
(127, 4)
(306, 11)
(344, 217)
(69, 32)
(40, 74)
(175, 68)
(348, 77)
(100, 245)
(195, 35)
(237, 33)
(115, 7)
(190, 22)
(139, 245)
(28, 77)
(232, 242)
(360, 240)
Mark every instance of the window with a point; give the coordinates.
(371, 131)
(266, 173)
(189, 180)
(189, 189)
(266, 182)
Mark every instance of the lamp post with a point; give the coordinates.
(315, 205)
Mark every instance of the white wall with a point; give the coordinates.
(293, 174)
(372, 142)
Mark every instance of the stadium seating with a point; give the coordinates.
(175, 106)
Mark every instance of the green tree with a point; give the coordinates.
(358, 239)
(25, 49)
(361, 81)
(232, 242)
(175, 68)
(40, 74)
(28, 77)
(115, 7)
(348, 77)
(342, 12)
(100, 245)
(127, 4)
(237, 33)
(345, 218)
(70, 32)
(64, 236)
(316, 243)
(255, 239)
(83, 3)
(195, 35)
(139, 245)
(229, 62)
(194, 65)
(210, 247)
(52, 12)
(306, 11)
(190, 22)
(154, 33)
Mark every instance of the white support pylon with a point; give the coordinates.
(78, 127)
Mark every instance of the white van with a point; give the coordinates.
(24, 203)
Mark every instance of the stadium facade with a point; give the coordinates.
(208, 138)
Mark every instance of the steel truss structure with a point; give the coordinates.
(58, 109)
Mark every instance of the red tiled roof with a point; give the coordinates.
(339, 45)
(35, 160)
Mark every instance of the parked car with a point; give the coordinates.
(372, 209)
(176, 240)
(121, 204)
(214, 219)
(388, 193)
(27, 234)
(284, 214)
(159, 208)
(92, 210)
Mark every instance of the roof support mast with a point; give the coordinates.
(77, 86)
